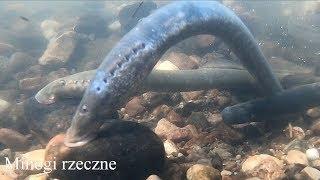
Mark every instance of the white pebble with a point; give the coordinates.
(312, 154)
(238, 157)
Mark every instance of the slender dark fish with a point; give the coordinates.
(24, 18)
(132, 59)
(293, 100)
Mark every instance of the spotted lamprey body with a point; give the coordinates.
(135, 55)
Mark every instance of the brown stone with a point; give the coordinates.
(60, 51)
(316, 127)
(53, 75)
(134, 107)
(14, 140)
(263, 166)
(7, 173)
(168, 130)
(203, 172)
(296, 157)
(190, 96)
(215, 119)
(32, 71)
(31, 84)
(223, 101)
(313, 112)
(161, 111)
(175, 118)
(34, 160)
(182, 61)
(310, 173)
(41, 176)
(171, 148)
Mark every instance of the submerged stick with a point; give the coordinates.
(289, 101)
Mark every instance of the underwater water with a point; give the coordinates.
(159, 90)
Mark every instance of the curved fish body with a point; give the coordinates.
(132, 59)
(293, 100)
(217, 74)
(65, 87)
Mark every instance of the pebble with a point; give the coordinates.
(310, 173)
(166, 65)
(168, 130)
(199, 120)
(226, 173)
(13, 139)
(134, 107)
(60, 50)
(34, 159)
(40, 176)
(203, 172)
(223, 152)
(7, 173)
(175, 118)
(6, 153)
(296, 157)
(295, 132)
(263, 166)
(161, 111)
(215, 119)
(170, 148)
(31, 84)
(153, 177)
(296, 144)
(223, 101)
(216, 161)
(316, 127)
(182, 61)
(153, 99)
(4, 106)
(238, 157)
(115, 26)
(191, 96)
(313, 112)
(61, 72)
(312, 154)
(316, 164)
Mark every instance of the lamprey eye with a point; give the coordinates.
(51, 97)
(62, 82)
(84, 108)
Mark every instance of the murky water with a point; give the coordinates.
(211, 114)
